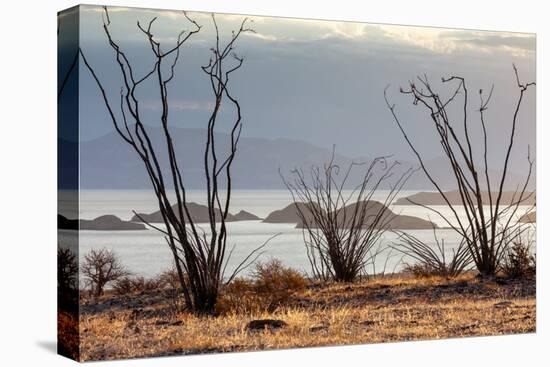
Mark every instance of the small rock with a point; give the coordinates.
(503, 304)
(367, 323)
(317, 328)
(266, 324)
(468, 327)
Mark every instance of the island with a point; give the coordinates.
(198, 213)
(290, 214)
(101, 223)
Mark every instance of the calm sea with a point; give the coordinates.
(146, 253)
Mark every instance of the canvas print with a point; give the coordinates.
(233, 183)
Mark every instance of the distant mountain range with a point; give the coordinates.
(110, 163)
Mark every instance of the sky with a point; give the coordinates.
(317, 81)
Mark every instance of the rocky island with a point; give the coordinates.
(102, 223)
(198, 213)
(290, 214)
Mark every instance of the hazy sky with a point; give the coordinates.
(317, 81)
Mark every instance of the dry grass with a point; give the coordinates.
(67, 336)
(382, 310)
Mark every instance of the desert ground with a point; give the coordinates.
(385, 309)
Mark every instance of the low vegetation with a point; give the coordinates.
(395, 308)
(198, 308)
(342, 229)
(270, 286)
(439, 294)
(432, 260)
(520, 261)
(101, 268)
(486, 228)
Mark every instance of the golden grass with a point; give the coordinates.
(67, 334)
(383, 310)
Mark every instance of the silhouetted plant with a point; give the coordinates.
(200, 257)
(101, 267)
(487, 234)
(432, 260)
(67, 280)
(341, 229)
(67, 270)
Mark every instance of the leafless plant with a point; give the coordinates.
(101, 267)
(433, 261)
(199, 257)
(341, 229)
(67, 270)
(67, 279)
(487, 233)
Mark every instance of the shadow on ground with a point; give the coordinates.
(48, 345)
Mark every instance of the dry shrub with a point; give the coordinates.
(423, 270)
(100, 268)
(170, 278)
(172, 285)
(341, 229)
(127, 284)
(432, 260)
(167, 282)
(274, 277)
(239, 297)
(486, 233)
(271, 285)
(519, 262)
(123, 286)
(142, 284)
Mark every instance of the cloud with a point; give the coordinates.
(174, 14)
(521, 43)
(346, 30)
(263, 37)
(168, 13)
(288, 31)
(449, 41)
